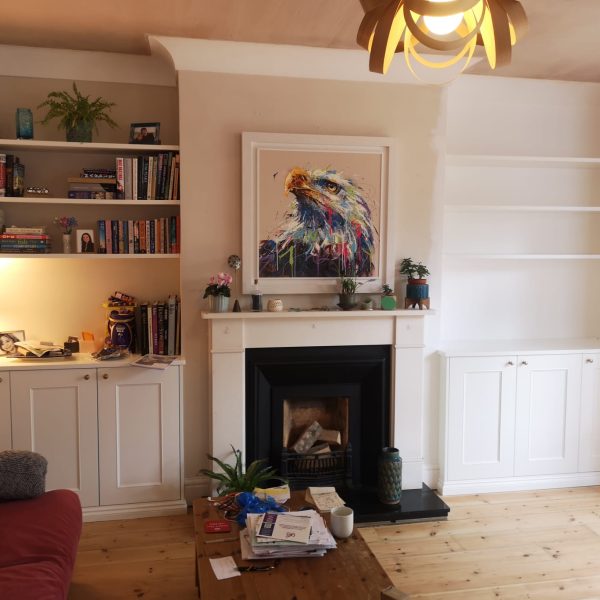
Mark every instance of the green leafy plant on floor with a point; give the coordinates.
(234, 479)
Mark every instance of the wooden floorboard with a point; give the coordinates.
(540, 545)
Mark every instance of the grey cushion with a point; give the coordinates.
(22, 474)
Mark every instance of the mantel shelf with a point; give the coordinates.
(318, 314)
(92, 147)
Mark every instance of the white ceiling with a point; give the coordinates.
(563, 40)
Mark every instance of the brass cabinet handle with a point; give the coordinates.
(86, 377)
(510, 363)
(105, 376)
(589, 360)
(524, 363)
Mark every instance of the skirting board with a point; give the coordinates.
(196, 487)
(134, 511)
(517, 484)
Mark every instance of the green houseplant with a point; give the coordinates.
(347, 295)
(417, 289)
(77, 114)
(234, 479)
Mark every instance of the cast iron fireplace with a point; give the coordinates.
(357, 377)
(355, 381)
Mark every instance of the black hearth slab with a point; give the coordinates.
(415, 505)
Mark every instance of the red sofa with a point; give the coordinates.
(38, 546)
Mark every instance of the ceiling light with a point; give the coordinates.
(450, 27)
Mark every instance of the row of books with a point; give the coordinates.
(24, 240)
(148, 177)
(148, 236)
(12, 176)
(158, 327)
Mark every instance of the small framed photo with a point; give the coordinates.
(8, 340)
(144, 133)
(85, 241)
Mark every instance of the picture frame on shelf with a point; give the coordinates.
(315, 208)
(8, 340)
(144, 133)
(86, 243)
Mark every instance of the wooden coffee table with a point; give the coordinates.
(350, 572)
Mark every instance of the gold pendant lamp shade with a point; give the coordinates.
(451, 27)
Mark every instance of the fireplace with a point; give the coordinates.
(234, 336)
(344, 389)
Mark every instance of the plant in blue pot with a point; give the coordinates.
(417, 288)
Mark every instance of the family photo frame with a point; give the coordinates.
(8, 340)
(144, 133)
(316, 208)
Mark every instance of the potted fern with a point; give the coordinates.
(77, 113)
(233, 479)
(347, 295)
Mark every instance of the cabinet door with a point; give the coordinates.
(548, 401)
(481, 417)
(589, 437)
(54, 412)
(139, 435)
(5, 427)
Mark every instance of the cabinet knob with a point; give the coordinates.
(587, 360)
(510, 363)
(105, 376)
(524, 363)
(87, 377)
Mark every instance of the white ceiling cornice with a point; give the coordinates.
(83, 65)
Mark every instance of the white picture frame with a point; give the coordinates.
(269, 160)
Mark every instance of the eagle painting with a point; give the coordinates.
(327, 231)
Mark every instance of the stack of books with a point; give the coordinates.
(24, 240)
(94, 184)
(285, 535)
(158, 327)
(150, 177)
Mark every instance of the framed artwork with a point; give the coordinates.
(144, 133)
(85, 241)
(316, 208)
(8, 340)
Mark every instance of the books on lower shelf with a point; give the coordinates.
(147, 236)
(285, 535)
(158, 327)
(24, 240)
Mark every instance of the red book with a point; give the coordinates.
(216, 526)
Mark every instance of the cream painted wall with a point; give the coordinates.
(215, 109)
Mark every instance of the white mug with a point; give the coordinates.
(342, 521)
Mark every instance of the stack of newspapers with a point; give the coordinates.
(285, 535)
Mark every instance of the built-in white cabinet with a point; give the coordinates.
(589, 438)
(481, 417)
(111, 434)
(138, 424)
(5, 424)
(547, 414)
(54, 413)
(520, 421)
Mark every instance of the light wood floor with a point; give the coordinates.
(542, 545)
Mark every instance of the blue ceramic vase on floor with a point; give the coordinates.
(389, 476)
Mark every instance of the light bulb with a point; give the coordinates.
(443, 25)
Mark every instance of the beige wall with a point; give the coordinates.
(215, 109)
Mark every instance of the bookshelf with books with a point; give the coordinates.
(97, 183)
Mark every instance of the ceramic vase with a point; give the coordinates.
(218, 304)
(66, 243)
(389, 476)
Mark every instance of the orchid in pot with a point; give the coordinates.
(218, 291)
(66, 224)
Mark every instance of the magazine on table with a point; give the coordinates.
(154, 361)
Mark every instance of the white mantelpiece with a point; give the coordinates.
(231, 333)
